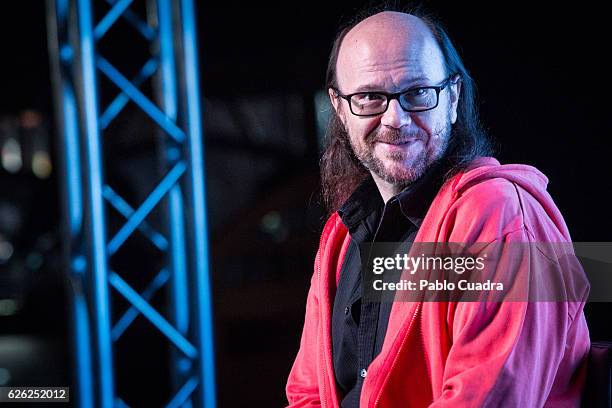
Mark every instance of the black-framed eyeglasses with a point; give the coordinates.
(418, 99)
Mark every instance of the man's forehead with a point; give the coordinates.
(388, 41)
(386, 25)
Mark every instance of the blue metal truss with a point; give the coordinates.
(82, 123)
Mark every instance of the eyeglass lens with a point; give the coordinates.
(369, 103)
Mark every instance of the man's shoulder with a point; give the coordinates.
(486, 210)
(489, 193)
(503, 202)
(496, 190)
(501, 186)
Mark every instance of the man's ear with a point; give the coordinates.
(455, 91)
(335, 101)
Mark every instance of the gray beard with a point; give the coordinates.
(409, 175)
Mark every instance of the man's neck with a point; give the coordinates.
(386, 190)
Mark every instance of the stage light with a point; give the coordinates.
(41, 164)
(11, 156)
(6, 251)
(8, 307)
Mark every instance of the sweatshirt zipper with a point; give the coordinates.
(396, 356)
(318, 262)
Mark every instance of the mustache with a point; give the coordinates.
(394, 136)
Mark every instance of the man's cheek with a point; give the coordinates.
(368, 130)
(357, 135)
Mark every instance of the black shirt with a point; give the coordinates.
(359, 327)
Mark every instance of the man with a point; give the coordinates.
(406, 162)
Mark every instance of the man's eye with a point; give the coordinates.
(370, 97)
(416, 92)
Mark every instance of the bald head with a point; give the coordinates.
(386, 29)
(387, 42)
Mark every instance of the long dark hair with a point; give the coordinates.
(341, 171)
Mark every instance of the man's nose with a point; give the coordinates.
(395, 116)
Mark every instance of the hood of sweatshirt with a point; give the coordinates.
(527, 179)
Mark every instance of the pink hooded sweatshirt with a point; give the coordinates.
(458, 354)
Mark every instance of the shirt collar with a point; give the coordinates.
(414, 200)
(365, 200)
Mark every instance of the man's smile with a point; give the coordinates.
(396, 145)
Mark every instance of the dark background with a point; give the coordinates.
(544, 95)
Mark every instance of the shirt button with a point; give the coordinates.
(347, 310)
(363, 373)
